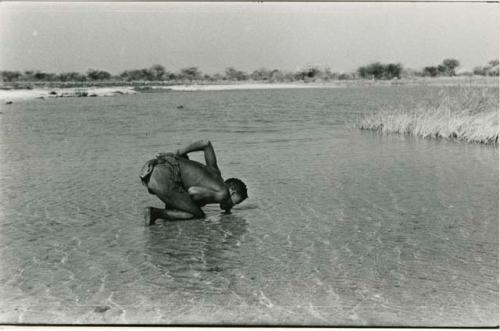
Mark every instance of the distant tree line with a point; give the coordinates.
(158, 73)
(448, 68)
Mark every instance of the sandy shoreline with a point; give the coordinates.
(11, 95)
(252, 86)
(42, 93)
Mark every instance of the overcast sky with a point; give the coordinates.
(57, 37)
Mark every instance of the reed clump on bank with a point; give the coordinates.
(466, 113)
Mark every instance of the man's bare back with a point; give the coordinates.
(185, 185)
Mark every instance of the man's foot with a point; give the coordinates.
(148, 216)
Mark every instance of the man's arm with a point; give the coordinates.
(199, 193)
(160, 155)
(206, 147)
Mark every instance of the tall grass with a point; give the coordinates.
(465, 113)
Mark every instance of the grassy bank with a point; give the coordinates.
(468, 114)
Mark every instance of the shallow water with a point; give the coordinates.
(342, 227)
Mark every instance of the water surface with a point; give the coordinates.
(342, 227)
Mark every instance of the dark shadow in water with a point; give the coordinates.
(191, 251)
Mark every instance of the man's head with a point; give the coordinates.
(237, 193)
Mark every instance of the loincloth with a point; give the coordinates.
(170, 168)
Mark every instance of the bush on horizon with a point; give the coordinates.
(378, 70)
(96, 74)
(489, 70)
(446, 68)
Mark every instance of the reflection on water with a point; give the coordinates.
(192, 253)
(247, 206)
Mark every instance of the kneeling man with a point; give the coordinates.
(185, 185)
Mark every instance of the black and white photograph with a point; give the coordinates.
(295, 164)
